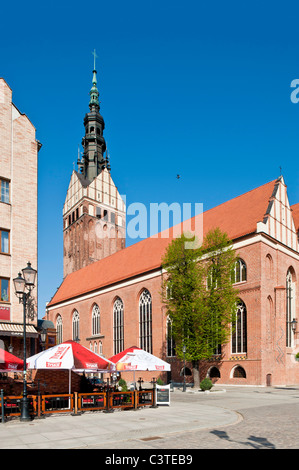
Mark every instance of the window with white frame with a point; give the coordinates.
(239, 334)
(170, 340)
(239, 273)
(95, 320)
(118, 326)
(59, 329)
(145, 321)
(4, 191)
(76, 325)
(4, 241)
(290, 307)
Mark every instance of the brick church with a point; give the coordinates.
(110, 297)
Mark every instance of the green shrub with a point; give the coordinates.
(160, 381)
(123, 384)
(297, 355)
(206, 384)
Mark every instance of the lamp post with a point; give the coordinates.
(184, 351)
(43, 338)
(294, 325)
(23, 284)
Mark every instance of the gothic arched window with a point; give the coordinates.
(290, 307)
(95, 320)
(145, 321)
(239, 273)
(59, 329)
(76, 325)
(169, 338)
(239, 334)
(118, 326)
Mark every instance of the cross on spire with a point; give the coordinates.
(95, 56)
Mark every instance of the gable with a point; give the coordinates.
(101, 190)
(278, 221)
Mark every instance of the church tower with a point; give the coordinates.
(94, 214)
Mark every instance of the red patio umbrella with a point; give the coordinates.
(70, 355)
(9, 362)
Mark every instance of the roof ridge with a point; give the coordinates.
(241, 195)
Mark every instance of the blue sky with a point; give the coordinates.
(200, 89)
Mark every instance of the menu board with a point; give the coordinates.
(163, 394)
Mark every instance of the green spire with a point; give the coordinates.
(94, 92)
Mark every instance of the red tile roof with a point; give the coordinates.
(295, 213)
(237, 217)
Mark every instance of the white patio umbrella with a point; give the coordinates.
(137, 359)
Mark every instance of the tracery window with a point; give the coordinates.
(145, 321)
(59, 329)
(118, 326)
(95, 320)
(290, 308)
(169, 338)
(76, 325)
(239, 273)
(239, 334)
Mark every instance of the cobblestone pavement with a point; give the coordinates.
(269, 419)
(225, 418)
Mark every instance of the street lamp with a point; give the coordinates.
(184, 351)
(294, 325)
(23, 284)
(43, 338)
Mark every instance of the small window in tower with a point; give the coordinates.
(112, 217)
(105, 216)
(98, 212)
(70, 219)
(98, 131)
(73, 217)
(77, 213)
(91, 129)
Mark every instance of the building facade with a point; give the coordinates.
(116, 303)
(18, 217)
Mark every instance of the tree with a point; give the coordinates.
(199, 295)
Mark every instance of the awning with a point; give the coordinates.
(16, 329)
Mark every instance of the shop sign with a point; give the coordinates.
(4, 313)
(163, 394)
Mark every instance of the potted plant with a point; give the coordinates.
(297, 356)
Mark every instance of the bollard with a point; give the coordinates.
(108, 408)
(2, 407)
(75, 409)
(135, 400)
(76, 403)
(154, 405)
